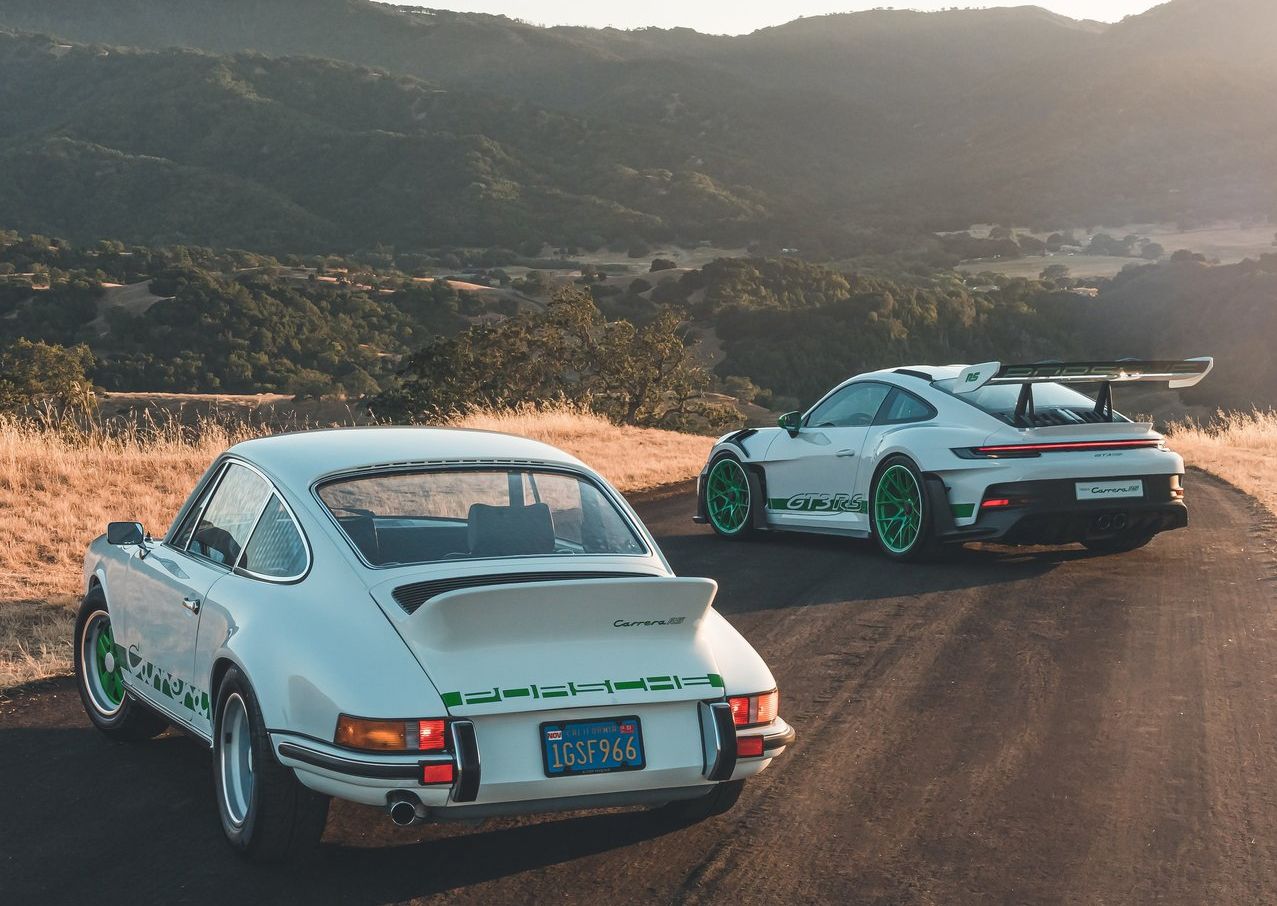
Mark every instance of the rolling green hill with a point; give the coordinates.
(346, 123)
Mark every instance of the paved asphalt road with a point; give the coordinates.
(1003, 727)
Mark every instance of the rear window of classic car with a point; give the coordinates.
(396, 518)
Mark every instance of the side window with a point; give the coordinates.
(182, 537)
(276, 548)
(223, 528)
(851, 407)
(904, 408)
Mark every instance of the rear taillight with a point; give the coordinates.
(1029, 451)
(430, 735)
(754, 710)
(996, 503)
(376, 735)
(749, 747)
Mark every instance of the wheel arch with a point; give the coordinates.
(222, 664)
(755, 474)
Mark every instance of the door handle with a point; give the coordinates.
(845, 453)
(191, 604)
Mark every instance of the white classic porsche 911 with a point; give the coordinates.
(441, 623)
(922, 456)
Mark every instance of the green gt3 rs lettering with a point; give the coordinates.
(819, 503)
(668, 683)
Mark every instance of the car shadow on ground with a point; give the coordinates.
(141, 806)
(775, 571)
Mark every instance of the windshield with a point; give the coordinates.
(396, 518)
(1053, 404)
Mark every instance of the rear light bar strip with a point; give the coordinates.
(1064, 447)
(1071, 445)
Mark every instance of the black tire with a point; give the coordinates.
(1119, 544)
(271, 817)
(718, 801)
(743, 508)
(923, 544)
(111, 708)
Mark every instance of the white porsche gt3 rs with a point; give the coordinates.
(444, 624)
(922, 456)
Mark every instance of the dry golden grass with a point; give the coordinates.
(632, 459)
(1239, 447)
(59, 486)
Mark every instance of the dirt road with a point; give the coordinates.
(1003, 727)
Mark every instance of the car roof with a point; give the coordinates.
(301, 457)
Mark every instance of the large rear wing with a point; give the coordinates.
(1178, 374)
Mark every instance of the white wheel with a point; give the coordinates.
(235, 759)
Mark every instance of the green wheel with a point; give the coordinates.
(99, 670)
(898, 511)
(728, 502)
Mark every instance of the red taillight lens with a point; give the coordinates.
(430, 735)
(1069, 447)
(995, 503)
(751, 710)
(436, 773)
(749, 747)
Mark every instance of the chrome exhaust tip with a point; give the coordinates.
(403, 809)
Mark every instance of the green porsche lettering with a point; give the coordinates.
(667, 683)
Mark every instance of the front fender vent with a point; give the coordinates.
(410, 597)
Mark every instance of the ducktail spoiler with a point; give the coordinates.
(1178, 374)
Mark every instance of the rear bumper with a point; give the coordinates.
(1049, 513)
(373, 779)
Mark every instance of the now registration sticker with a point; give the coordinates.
(1110, 490)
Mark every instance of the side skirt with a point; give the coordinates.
(180, 722)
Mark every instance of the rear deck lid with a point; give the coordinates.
(563, 643)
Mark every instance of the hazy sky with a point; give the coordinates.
(728, 17)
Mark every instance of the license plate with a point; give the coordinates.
(574, 747)
(1110, 490)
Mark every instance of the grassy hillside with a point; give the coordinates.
(483, 130)
(310, 155)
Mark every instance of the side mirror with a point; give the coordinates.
(791, 422)
(125, 533)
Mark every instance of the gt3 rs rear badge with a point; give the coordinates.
(812, 502)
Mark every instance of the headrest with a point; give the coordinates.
(510, 531)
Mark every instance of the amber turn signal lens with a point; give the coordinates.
(372, 735)
(768, 707)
